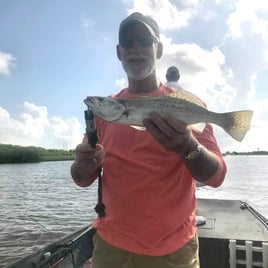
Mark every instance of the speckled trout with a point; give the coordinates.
(181, 104)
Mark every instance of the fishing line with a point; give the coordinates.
(40, 224)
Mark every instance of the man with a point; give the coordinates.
(173, 76)
(148, 176)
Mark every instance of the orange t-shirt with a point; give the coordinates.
(148, 192)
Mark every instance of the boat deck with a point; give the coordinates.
(226, 220)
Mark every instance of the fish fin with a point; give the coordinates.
(237, 124)
(138, 127)
(187, 96)
(198, 127)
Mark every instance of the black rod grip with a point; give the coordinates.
(91, 130)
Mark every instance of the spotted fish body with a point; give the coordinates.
(181, 104)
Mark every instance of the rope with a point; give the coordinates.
(100, 207)
(255, 213)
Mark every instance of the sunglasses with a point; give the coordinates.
(144, 42)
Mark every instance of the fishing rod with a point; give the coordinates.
(92, 137)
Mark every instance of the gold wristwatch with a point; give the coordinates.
(193, 153)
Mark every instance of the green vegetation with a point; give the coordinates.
(247, 153)
(30, 154)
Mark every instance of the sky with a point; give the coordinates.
(53, 54)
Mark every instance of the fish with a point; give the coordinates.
(181, 104)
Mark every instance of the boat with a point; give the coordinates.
(233, 235)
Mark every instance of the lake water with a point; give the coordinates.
(40, 203)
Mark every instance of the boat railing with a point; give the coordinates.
(255, 213)
(248, 254)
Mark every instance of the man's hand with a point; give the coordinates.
(87, 161)
(174, 135)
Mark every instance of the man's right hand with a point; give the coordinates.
(87, 161)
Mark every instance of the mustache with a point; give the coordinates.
(139, 57)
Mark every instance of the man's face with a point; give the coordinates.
(137, 51)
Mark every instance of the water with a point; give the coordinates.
(247, 180)
(40, 203)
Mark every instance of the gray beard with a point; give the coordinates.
(139, 74)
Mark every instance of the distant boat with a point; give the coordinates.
(233, 235)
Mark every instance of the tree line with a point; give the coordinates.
(246, 153)
(30, 154)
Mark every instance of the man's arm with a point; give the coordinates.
(206, 165)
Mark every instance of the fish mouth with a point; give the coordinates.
(102, 108)
(94, 101)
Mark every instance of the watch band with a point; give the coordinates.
(193, 153)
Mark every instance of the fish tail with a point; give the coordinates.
(237, 124)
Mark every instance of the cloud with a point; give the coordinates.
(221, 49)
(87, 23)
(35, 128)
(120, 83)
(224, 75)
(6, 62)
(203, 71)
(169, 15)
(249, 16)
